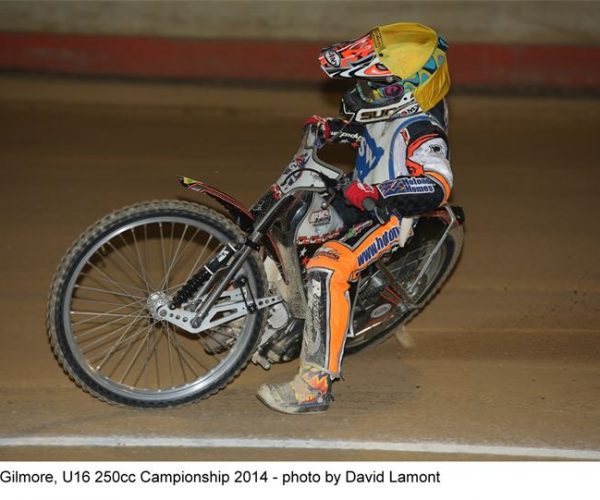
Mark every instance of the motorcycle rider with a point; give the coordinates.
(396, 117)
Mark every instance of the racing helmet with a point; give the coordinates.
(401, 69)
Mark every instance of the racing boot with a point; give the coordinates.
(308, 392)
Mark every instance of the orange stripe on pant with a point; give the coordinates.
(343, 263)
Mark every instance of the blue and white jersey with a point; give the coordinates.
(405, 146)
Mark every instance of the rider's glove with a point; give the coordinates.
(357, 192)
(327, 128)
(323, 128)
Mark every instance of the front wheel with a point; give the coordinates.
(99, 322)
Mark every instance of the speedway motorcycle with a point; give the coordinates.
(164, 303)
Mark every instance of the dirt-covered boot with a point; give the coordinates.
(308, 392)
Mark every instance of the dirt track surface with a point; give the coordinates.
(506, 355)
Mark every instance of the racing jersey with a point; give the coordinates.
(407, 158)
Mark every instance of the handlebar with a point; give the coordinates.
(369, 204)
(379, 214)
(333, 181)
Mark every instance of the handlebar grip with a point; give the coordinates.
(369, 204)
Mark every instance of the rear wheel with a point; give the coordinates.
(377, 313)
(99, 324)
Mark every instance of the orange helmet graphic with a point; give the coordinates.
(401, 69)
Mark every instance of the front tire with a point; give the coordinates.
(101, 330)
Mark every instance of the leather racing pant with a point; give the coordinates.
(330, 271)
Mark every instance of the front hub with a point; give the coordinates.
(157, 304)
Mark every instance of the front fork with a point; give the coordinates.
(194, 308)
(212, 304)
(232, 263)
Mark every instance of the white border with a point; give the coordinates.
(431, 447)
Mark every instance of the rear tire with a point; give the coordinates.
(405, 264)
(100, 329)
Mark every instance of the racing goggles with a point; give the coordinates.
(379, 93)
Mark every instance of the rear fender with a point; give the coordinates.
(241, 215)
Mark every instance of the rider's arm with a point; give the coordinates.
(430, 181)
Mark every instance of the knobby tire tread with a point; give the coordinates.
(68, 263)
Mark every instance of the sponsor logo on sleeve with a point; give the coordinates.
(406, 185)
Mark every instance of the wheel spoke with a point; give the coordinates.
(141, 262)
(150, 352)
(110, 292)
(405, 266)
(162, 248)
(194, 267)
(96, 314)
(157, 333)
(190, 355)
(169, 259)
(185, 247)
(119, 286)
(170, 354)
(136, 355)
(116, 345)
(126, 261)
(111, 333)
(165, 282)
(128, 344)
(104, 302)
(80, 336)
(172, 341)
